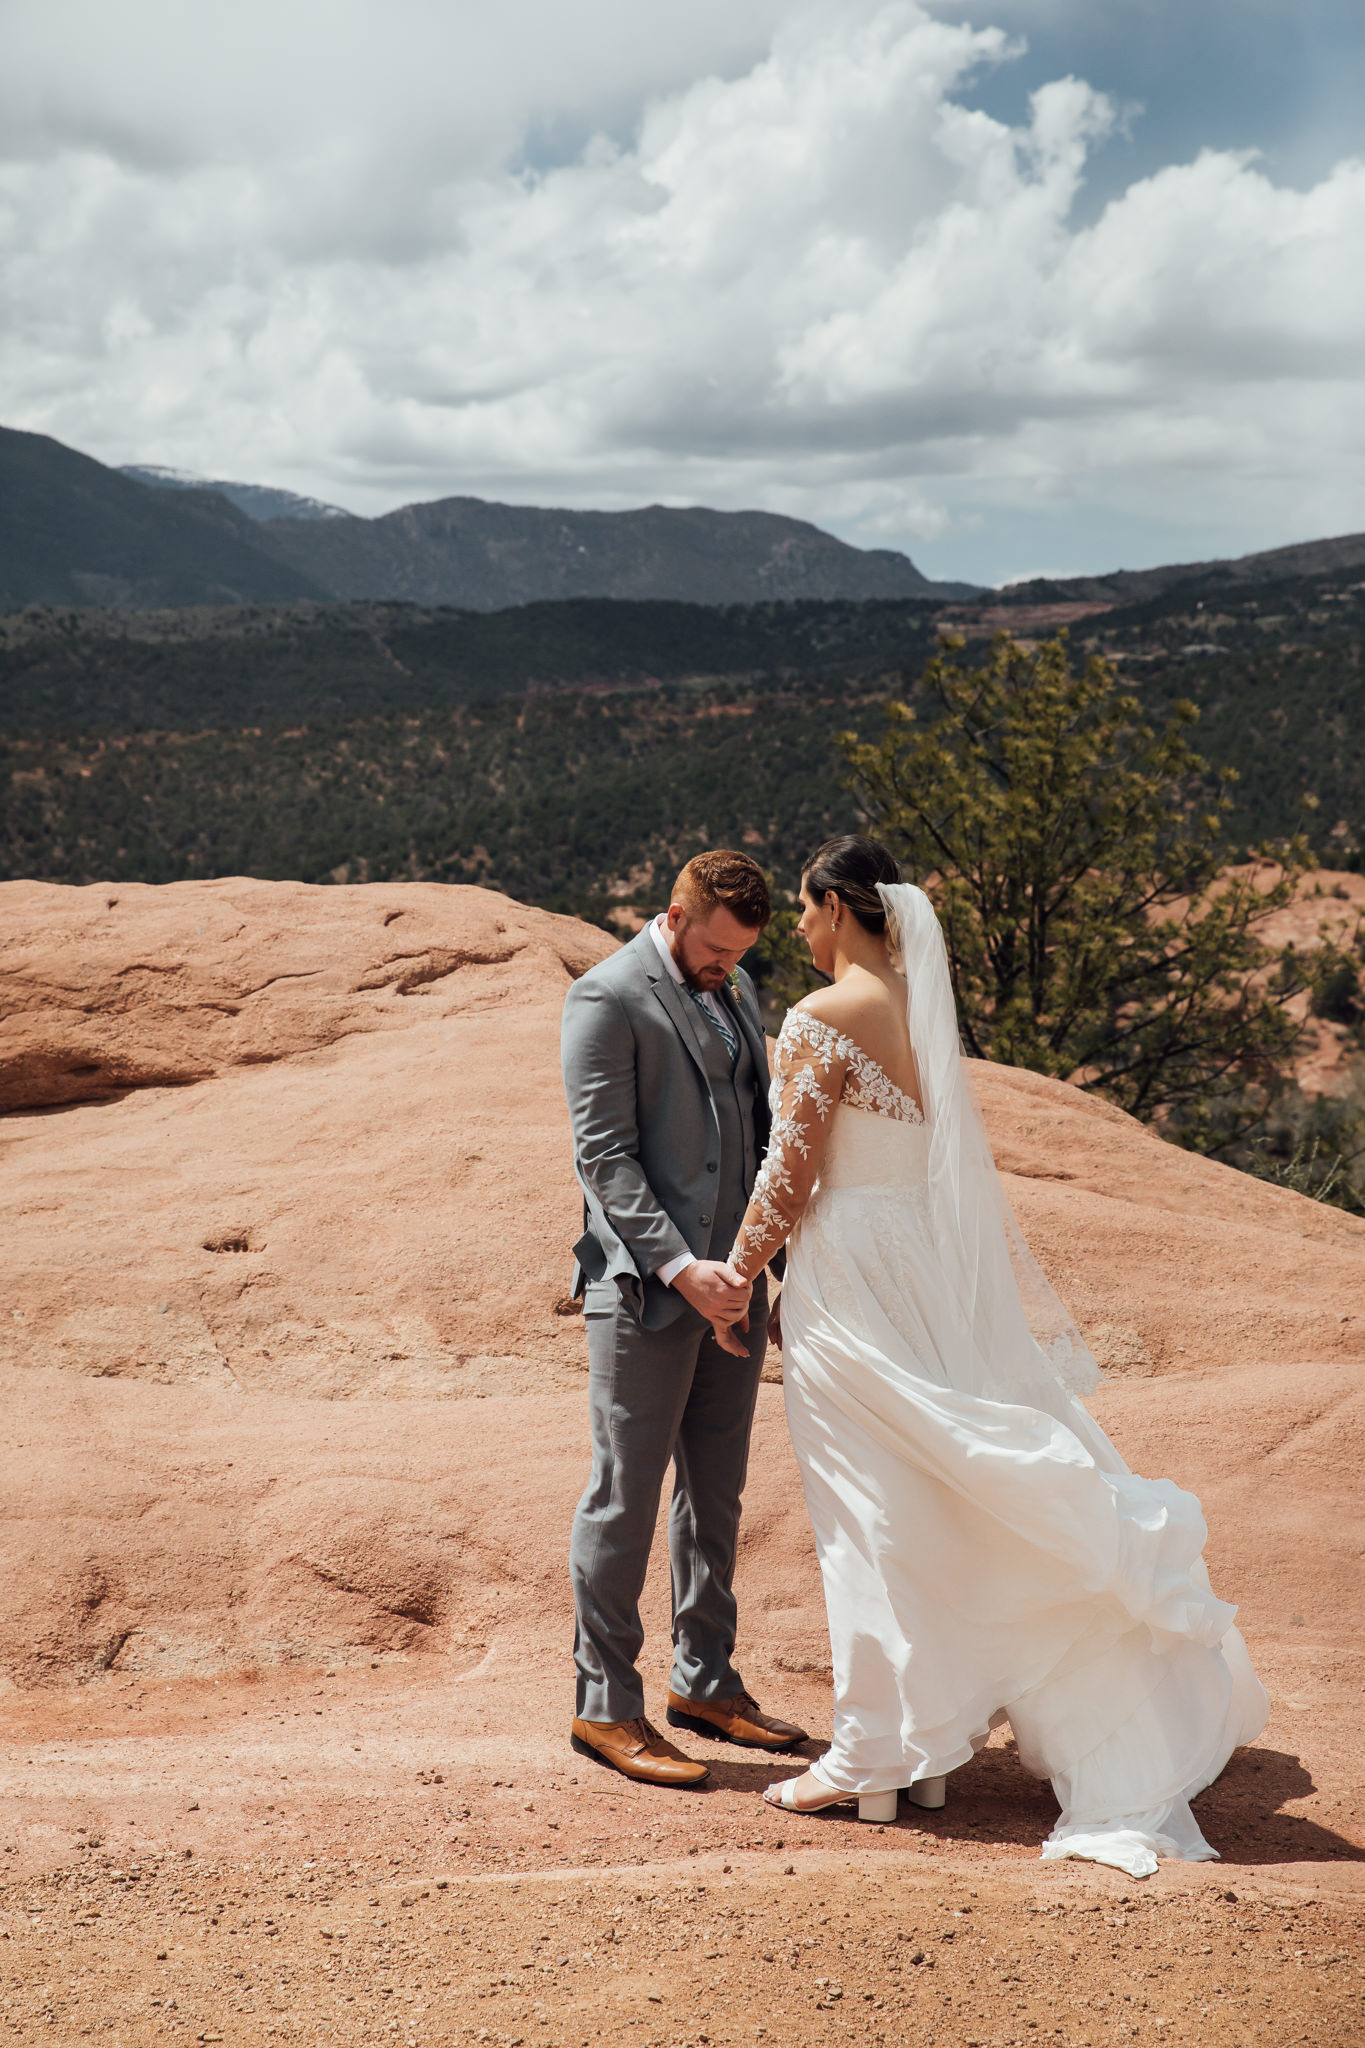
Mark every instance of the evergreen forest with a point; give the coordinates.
(575, 753)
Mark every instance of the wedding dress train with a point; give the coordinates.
(986, 1553)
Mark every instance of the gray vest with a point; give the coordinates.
(732, 1091)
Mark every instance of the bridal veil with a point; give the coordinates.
(1013, 1330)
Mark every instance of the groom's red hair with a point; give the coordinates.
(724, 877)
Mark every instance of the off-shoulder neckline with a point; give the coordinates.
(850, 1050)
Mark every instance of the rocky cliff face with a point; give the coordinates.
(285, 1356)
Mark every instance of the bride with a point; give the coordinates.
(986, 1553)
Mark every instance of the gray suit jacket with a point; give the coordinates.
(646, 1135)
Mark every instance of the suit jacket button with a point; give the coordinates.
(706, 1219)
(710, 1166)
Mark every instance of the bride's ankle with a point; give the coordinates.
(814, 1787)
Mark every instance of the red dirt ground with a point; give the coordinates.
(293, 1429)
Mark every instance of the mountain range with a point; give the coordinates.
(145, 537)
(258, 501)
(75, 532)
(467, 552)
(1135, 586)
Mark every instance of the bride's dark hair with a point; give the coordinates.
(852, 867)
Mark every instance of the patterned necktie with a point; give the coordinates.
(721, 1025)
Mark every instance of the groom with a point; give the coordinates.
(666, 1072)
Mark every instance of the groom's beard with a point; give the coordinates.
(707, 980)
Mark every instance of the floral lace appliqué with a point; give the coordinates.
(815, 1070)
(866, 1086)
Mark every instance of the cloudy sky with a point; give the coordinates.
(1023, 286)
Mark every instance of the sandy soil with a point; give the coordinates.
(402, 1847)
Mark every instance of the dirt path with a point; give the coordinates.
(360, 1857)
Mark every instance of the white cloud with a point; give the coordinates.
(799, 271)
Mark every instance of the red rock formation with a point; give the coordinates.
(127, 986)
(371, 1195)
(253, 1290)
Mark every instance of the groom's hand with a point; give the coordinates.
(714, 1289)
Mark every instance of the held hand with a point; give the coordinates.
(728, 1340)
(715, 1290)
(775, 1324)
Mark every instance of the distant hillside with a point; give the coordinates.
(74, 532)
(249, 665)
(554, 797)
(463, 551)
(378, 742)
(258, 501)
(1134, 586)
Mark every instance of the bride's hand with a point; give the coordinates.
(726, 1338)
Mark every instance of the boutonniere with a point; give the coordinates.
(732, 981)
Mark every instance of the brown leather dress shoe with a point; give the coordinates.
(637, 1750)
(738, 1719)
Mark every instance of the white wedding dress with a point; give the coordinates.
(986, 1553)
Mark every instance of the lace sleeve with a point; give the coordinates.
(812, 1060)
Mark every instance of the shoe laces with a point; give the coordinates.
(643, 1731)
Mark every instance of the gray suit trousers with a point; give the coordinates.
(656, 1395)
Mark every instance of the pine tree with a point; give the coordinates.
(1096, 925)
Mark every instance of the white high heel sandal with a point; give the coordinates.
(872, 1806)
(928, 1793)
